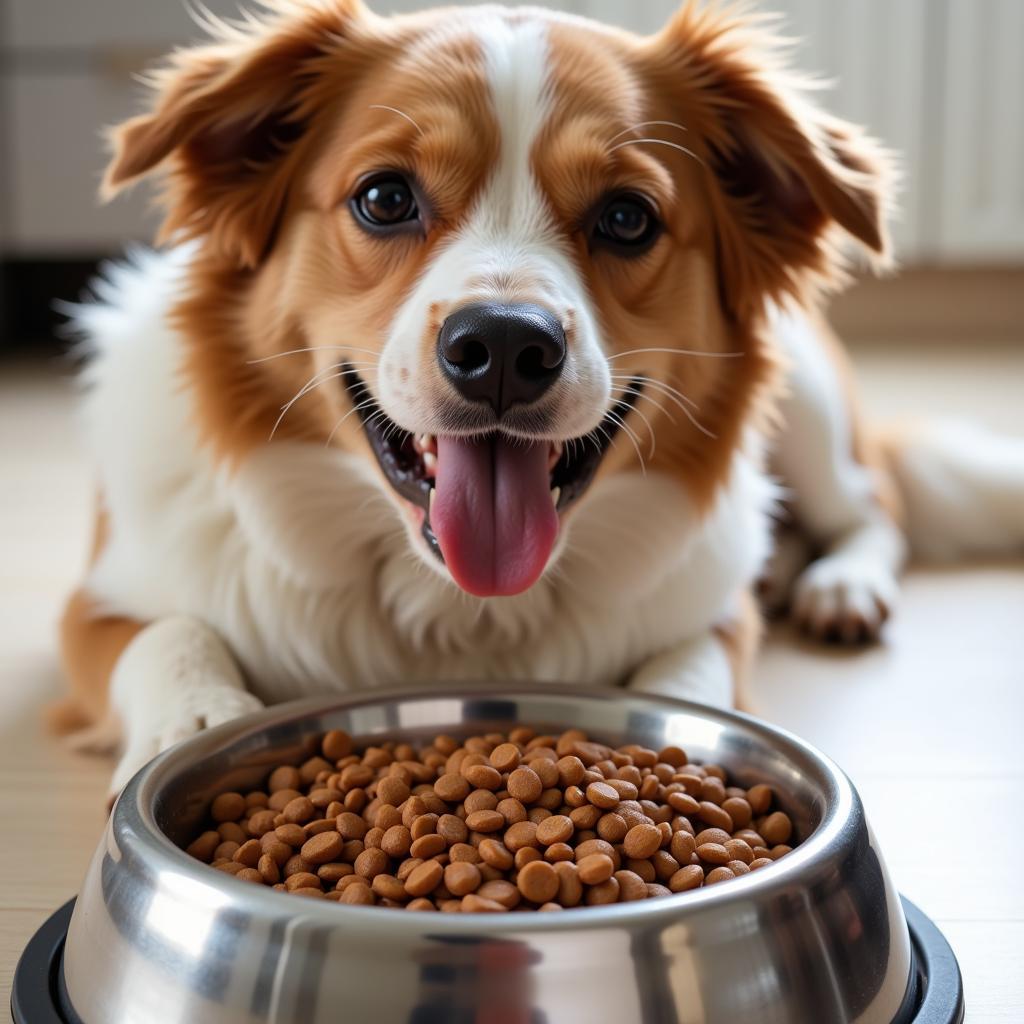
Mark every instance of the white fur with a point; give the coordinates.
(510, 248)
(699, 668)
(298, 561)
(175, 678)
(849, 590)
(963, 489)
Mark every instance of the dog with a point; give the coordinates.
(486, 345)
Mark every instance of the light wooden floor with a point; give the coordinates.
(927, 725)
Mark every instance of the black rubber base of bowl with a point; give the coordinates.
(39, 995)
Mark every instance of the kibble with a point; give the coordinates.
(500, 823)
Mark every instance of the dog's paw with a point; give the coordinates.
(844, 599)
(195, 709)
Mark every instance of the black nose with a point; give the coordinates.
(501, 354)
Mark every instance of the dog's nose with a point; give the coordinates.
(501, 354)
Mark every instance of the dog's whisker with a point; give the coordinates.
(618, 389)
(657, 142)
(312, 348)
(312, 384)
(676, 351)
(608, 437)
(631, 434)
(662, 387)
(678, 398)
(647, 423)
(648, 124)
(400, 113)
(356, 408)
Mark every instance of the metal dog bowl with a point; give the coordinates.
(157, 938)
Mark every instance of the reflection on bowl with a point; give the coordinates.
(819, 937)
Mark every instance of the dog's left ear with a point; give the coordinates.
(788, 178)
(224, 124)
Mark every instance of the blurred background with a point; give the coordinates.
(940, 81)
(925, 721)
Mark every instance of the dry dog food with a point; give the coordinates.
(493, 823)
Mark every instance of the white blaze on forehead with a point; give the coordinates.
(516, 59)
(510, 246)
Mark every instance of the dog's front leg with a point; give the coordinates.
(175, 678)
(840, 493)
(699, 669)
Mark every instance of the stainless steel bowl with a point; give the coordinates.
(157, 938)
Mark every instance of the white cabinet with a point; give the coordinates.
(981, 91)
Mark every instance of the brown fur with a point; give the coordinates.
(752, 214)
(90, 642)
(741, 640)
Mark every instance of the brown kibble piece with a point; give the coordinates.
(603, 795)
(427, 846)
(270, 872)
(371, 862)
(642, 841)
(555, 829)
(476, 904)
(203, 848)
(324, 847)
(760, 798)
(689, 877)
(424, 879)
(485, 821)
(776, 828)
(358, 894)
(336, 744)
(392, 790)
(501, 891)
(462, 878)
(396, 841)
(299, 811)
(739, 810)
(524, 785)
(595, 868)
(715, 816)
(713, 853)
(517, 821)
(604, 892)
(521, 834)
(495, 854)
(631, 886)
(538, 881)
(452, 787)
(228, 807)
(505, 757)
(722, 874)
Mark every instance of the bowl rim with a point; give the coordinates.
(133, 815)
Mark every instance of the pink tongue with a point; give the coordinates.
(492, 513)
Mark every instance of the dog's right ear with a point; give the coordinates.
(225, 126)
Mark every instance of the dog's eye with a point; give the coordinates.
(385, 202)
(627, 222)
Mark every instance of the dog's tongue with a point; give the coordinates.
(492, 513)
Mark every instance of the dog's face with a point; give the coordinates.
(507, 251)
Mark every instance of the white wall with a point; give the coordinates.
(942, 81)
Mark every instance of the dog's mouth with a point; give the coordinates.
(490, 503)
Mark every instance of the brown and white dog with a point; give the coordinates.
(476, 333)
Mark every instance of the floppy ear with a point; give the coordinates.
(788, 179)
(224, 127)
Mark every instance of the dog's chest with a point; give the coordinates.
(301, 560)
